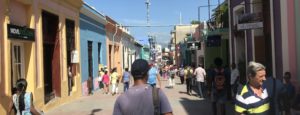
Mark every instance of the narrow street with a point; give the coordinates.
(102, 104)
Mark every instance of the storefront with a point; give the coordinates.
(34, 35)
(256, 35)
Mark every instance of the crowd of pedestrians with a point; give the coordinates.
(142, 94)
(221, 85)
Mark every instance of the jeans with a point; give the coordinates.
(200, 87)
(181, 79)
(126, 86)
(189, 85)
(153, 85)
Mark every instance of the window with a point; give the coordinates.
(17, 60)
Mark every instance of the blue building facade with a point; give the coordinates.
(93, 47)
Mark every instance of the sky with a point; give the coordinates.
(162, 12)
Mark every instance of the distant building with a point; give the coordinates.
(130, 49)
(184, 36)
(145, 53)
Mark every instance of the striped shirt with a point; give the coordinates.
(248, 102)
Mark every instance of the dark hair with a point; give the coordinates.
(218, 61)
(126, 69)
(105, 72)
(113, 70)
(21, 87)
(233, 65)
(139, 69)
(287, 75)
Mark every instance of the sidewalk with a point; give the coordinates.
(102, 104)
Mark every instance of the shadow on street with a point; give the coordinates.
(196, 107)
(95, 111)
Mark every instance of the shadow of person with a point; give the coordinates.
(94, 111)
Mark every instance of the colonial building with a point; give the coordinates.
(265, 31)
(113, 44)
(181, 35)
(130, 48)
(93, 45)
(36, 40)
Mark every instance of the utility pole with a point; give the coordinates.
(150, 37)
(208, 9)
(148, 12)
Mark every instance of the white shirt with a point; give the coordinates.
(200, 74)
(234, 74)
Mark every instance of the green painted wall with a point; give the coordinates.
(212, 52)
(145, 54)
(297, 21)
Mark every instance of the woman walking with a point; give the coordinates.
(22, 101)
(105, 80)
(114, 81)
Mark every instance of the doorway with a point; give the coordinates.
(51, 56)
(70, 44)
(90, 66)
(17, 64)
(109, 57)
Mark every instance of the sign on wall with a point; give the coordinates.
(246, 26)
(19, 32)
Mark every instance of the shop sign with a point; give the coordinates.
(246, 26)
(18, 32)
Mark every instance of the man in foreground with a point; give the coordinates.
(253, 98)
(140, 99)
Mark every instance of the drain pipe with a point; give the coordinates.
(113, 47)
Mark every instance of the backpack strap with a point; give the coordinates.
(156, 102)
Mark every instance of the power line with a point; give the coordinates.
(147, 25)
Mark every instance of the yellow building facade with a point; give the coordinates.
(38, 39)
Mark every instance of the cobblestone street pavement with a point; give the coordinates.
(102, 104)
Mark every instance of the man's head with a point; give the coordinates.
(233, 66)
(256, 73)
(200, 65)
(287, 76)
(126, 69)
(218, 62)
(139, 69)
